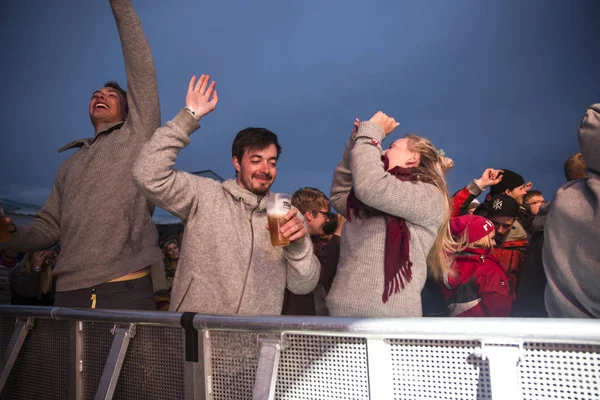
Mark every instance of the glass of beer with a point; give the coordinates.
(4, 234)
(278, 205)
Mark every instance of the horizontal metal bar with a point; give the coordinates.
(537, 329)
(160, 318)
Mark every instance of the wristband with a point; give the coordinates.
(37, 269)
(192, 112)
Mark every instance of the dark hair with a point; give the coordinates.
(253, 138)
(331, 225)
(122, 92)
(575, 167)
(530, 194)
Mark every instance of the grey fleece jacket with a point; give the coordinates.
(359, 281)
(103, 221)
(571, 252)
(227, 264)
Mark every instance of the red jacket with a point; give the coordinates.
(477, 286)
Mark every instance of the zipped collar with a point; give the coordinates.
(245, 196)
(87, 142)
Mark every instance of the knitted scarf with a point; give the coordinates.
(397, 265)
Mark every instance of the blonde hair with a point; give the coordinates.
(433, 165)
(26, 265)
(166, 260)
(483, 243)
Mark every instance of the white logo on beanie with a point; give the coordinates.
(487, 225)
(497, 204)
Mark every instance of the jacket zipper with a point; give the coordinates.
(249, 261)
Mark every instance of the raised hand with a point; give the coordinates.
(490, 177)
(386, 123)
(355, 128)
(38, 259)
(201, 97)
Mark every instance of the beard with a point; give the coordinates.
(261, 189)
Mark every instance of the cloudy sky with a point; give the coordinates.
(499, 84)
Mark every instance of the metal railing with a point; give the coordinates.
(59, 353)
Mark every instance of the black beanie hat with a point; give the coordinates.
(501, 205)
(510, 180)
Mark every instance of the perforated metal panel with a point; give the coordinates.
(96, 345)
(153, 366)
(7, 326)
(234, 358)
(41, 369)
(323, 367)
(560, 371)
(438, 369)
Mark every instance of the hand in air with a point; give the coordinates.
(386, 123)
(38, 259)
(490, 177)
(355, 128)
(201, 97)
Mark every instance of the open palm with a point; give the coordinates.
(201, 97)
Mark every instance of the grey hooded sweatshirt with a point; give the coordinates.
(227, 264)
(571, 253)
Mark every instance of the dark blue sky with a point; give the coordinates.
(499, 84)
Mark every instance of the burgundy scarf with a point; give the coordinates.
(397, 265)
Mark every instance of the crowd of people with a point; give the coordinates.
(399, 245)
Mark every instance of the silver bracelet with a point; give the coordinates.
(192, 112)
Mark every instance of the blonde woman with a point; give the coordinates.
(397, 206)
(476, 284)
(31, 279)
(171, 258)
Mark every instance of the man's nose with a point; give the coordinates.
(264, 167)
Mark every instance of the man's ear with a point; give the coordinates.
(236, 164)
(309, 216)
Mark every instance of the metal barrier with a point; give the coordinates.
(58, 353)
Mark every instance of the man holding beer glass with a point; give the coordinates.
(227, 264)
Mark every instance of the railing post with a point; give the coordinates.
(503, 359)
(197, 374)
(22, 327)
(266, 371)
(114, 362)
(379, 362)
(75, 360)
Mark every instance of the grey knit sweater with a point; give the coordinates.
(227, 264)
(571, 254)
(359, 282)
(102, 219)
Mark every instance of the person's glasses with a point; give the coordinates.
(325, 214)
(535, 203)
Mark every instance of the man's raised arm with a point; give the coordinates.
(142, 89)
